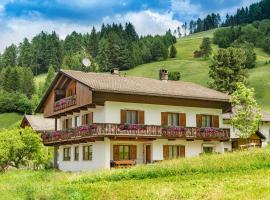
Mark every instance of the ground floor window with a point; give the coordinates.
(124, 152)
(87, 152)
(66, 154)
(173, 151)
(208, 149)
(76, 153)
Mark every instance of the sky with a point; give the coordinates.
(26, 18)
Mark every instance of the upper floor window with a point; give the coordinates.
(132, 117)
(67, 123)
(66, 154)
(76, 121)
(206, 120)
(87, 119)
(173, 119)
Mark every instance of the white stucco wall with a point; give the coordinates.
(100, 157)
(152, 112)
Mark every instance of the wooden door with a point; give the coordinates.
(148, 154)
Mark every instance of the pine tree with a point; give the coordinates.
(91, 43)
(11, 80)
(173, 51)
(9, 57)
(25, 54)
(228, 69)
(205, 48)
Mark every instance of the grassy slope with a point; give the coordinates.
(196, 70)
(240, 175)
(9, 120)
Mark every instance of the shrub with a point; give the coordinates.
(197, 54)
(174, 76)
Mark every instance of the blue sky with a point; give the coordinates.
(26, 18)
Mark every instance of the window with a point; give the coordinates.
(87, 152)
(173, 151)
(67, 123)
(66, 154)
(132, 117)
(123, 152)
(87, 119)
(208, 149)
(76, 153)
(173, 119)
(206, 121)
(76, 121)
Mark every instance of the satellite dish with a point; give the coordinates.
(86, 62)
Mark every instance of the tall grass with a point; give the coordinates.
(230, 162)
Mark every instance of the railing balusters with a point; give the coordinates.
(103, 129)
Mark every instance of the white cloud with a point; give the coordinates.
(186, 8)
(17, 29)
(147, 22)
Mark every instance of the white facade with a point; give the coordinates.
(102, 151)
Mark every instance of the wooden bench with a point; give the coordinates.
(123, 163)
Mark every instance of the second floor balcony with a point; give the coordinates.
(65, 103)
(135, 130)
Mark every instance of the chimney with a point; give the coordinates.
(115, 71)
(163, 74)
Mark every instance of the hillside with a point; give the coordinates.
(238, 175)
(196, 69)
(9, 120)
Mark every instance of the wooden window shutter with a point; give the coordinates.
(165, 152)
(199, 120)
(83, 120)
(91, 118)
(164, 119)
(69, 122)
(115, 152)
(182, 119)
(123, 116)
(215, 121)
(182, 151)
(140, 117)
(133, 152)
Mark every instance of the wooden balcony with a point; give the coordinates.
(64, 103)
(134, 131)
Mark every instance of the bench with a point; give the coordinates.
(123, 163)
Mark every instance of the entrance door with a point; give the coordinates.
(148, 154)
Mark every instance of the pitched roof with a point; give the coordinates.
(145, 86)
(39, 123)
(265, 116)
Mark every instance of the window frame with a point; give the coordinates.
(136, 112)
(124, 153)
(172, 114)
(208, 147)
(88, 155)
(66, 153)
(76, 121)
(207, 117)
(174, 149)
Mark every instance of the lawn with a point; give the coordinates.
(240, 175)
(9, 120)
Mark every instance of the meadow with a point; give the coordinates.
(238, 175)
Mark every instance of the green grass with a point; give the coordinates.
(239, 175)
(9, 120)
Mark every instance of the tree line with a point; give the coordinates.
(115, 45)
(254, 12)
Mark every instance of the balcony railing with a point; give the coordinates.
(113, 130)
(64, 103)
